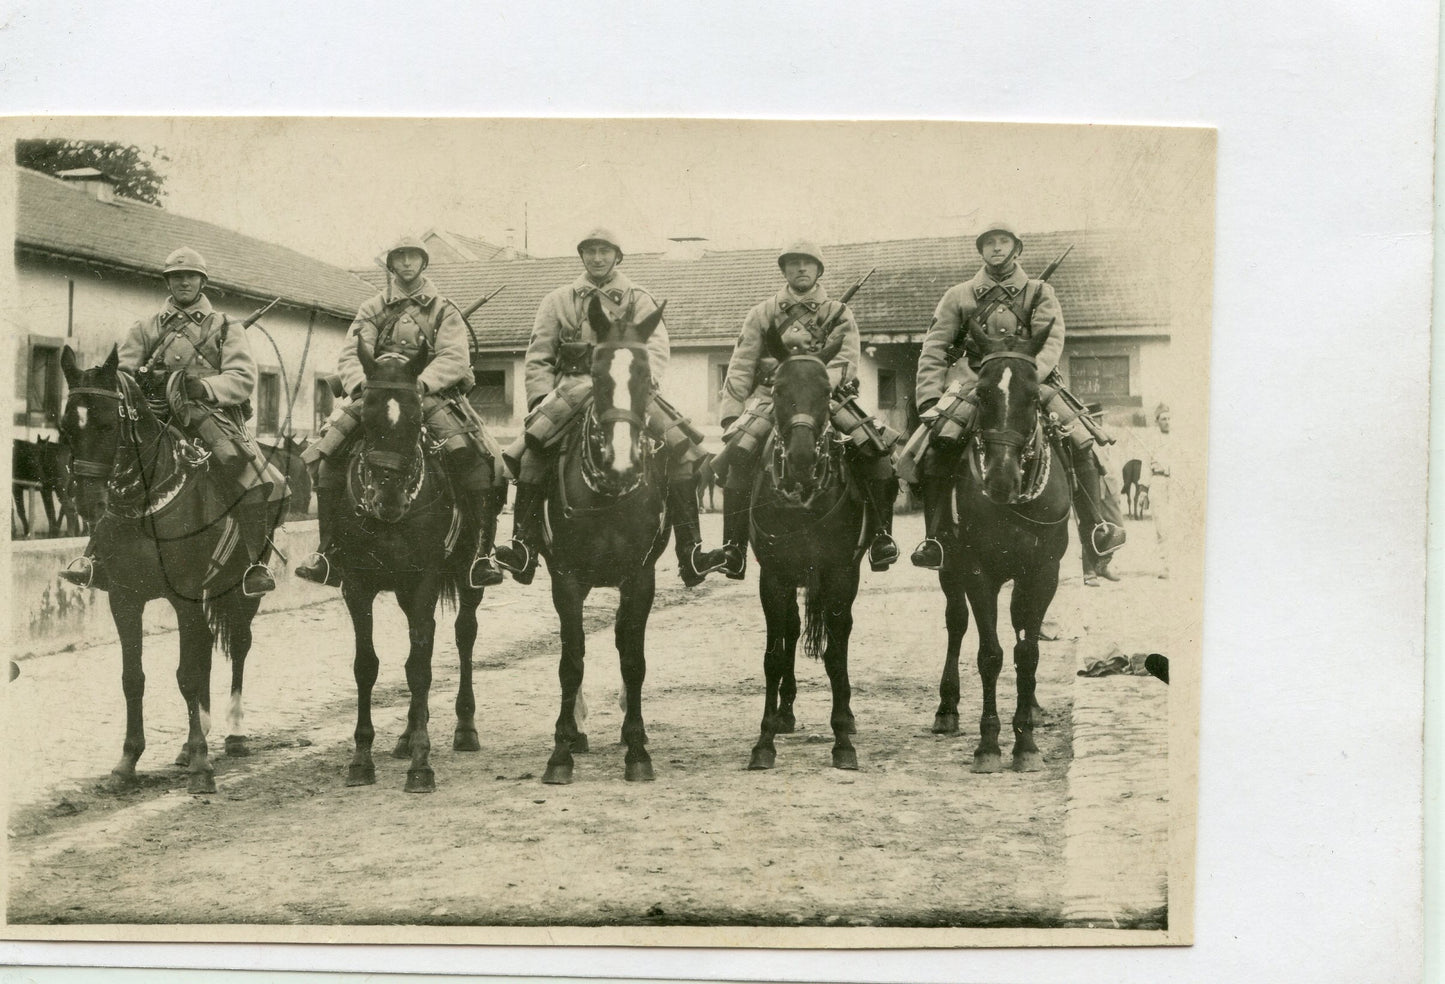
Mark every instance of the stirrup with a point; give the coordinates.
(1109, 530)
(527, 557)
(265, 570)
(74, 575)
(740, 550)
(493, 577)
(928, 567)
(697, 549)
(885, 539)
(318, 559)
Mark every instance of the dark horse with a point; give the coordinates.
(606, 513)
(396, 539)
(44, 466)
(162, 531)
(1012, 499)
(1136, 493)
(809, 529)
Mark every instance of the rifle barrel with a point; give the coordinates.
(256, 315)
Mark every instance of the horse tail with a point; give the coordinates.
(223, 615)
(815, 629)
(448, 594)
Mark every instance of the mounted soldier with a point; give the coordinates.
(1001, 299)
(195, 367)
(803, 317)
(401, 320)
(559, 387)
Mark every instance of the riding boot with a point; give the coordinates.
(470, 476)
(693, 563)
(737, 513)
(485, 570)
(86, 571)
(937, 488)
(255, 522)
(1104, 536)
(318, 568)
(880, 493)
(520, 556)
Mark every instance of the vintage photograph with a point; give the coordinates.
(636, 531)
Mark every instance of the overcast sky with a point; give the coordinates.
(339, 189)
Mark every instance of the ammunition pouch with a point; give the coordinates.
(335, 435)
(548, 420)
(866, 435)
(747, 435)
(574, 359)
(666, 423)
(950, 420)
(1067, 422)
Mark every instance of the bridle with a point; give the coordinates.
(1027, 445)
(785, 485)
(412, 467)
(599, 478)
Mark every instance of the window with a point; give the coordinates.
(42, 388)
(491, 389)
(1099, 378)
(322, 403)
(887, 389)
(268, 403)
(718, 373)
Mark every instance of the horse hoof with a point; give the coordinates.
(420, 781)
(361, 775)
(201, 783)
(763, 758)
(466, 741)
(118, 782)
(945, 724)
(845, 758)
(640, 771)
(987, 762)
(579, 744)
(183, 757)
(236, 746)
(787, 724)
(558, 775)
(402, 749)
(1028, 761)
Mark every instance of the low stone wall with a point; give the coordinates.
(48, 615)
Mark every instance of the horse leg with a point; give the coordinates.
(364, 667)
(780, 610)
(784, 721)
(840, 588)
(420, 602)
(193, 675)
(1031, 598)
(126, 610)
(239, 646)
(465, 738)
(632, 611)
(983, 595)
(567, 598)
(17, 494)
(955, 616)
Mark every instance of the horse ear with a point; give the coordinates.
(644, 328)
(601, 326)
(69, 368)
(418, 362)
(986, 343)
(112, 360)
(1038, 340)
(773, 345)
(833, 345)
(368, 361)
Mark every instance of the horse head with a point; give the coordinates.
(800, 402)
(621, 388)
(90, 428)
(391, 421)
(1008, 403)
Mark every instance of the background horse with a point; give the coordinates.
(809, 529)
(44, 466)
(606, 513)
(395, 538)
(1136, 493)
(1012, 498)
(162, 532)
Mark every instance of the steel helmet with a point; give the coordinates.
(186, 260)
(601, 234)
(409, 242)
(1004, 227)
(803, 247)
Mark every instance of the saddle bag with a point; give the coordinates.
(867, 435)
(746, 436)
(952, 415)
(548, 420)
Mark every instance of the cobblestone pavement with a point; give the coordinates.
(1085, 841)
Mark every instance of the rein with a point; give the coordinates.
(599, 478)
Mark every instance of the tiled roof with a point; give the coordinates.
(55, 217)
(479, 249)
(1109, 282)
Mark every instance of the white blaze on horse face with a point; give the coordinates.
(393, 412)
(621, 372)
(235, 716)
(1003, 382)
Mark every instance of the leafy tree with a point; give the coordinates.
(133, 168)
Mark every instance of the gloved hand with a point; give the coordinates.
(195, 389)
(845, 389)
(728, 421)
(357, 390)
(927, 405)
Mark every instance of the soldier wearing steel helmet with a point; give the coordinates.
(1001, 298)
(800, 313)
(196, 368)
(408, 314)
(559, 386)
